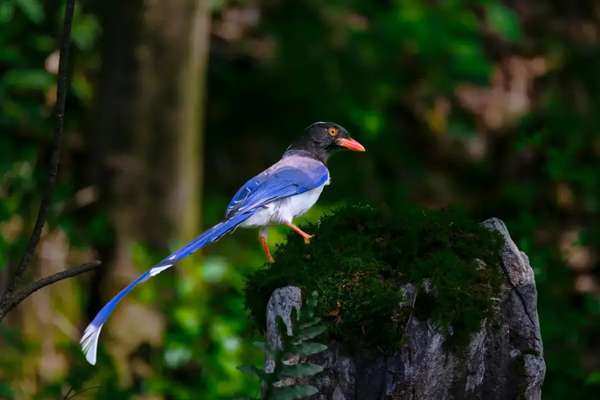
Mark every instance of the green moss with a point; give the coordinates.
(360, 257)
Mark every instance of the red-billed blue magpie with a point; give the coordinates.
(276, 196)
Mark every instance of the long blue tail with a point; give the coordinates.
(89, 341)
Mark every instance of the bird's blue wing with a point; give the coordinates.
(240, 197)
(285, 182)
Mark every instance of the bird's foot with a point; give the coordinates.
(307, 238)
(263, 240)
(305, 235)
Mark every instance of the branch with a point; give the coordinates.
(59, 112)
(15, 299)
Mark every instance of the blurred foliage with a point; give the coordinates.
(490, 105)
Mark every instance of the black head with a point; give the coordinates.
(323, 139)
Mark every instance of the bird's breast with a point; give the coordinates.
(295, 206)
(284, 210)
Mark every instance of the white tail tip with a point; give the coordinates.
(89, 342)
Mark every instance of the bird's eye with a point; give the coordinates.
(333, 131)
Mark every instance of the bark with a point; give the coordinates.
(147, 148)
(504, 360)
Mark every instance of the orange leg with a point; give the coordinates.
(305, 235)
(264, 243)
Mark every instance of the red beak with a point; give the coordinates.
(351, 144)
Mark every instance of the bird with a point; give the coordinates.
(282, 192)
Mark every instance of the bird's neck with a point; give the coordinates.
(306, 147)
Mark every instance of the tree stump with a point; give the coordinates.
(503, 360)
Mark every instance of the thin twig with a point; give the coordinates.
(69, 392)
(67, 397)
(21, 295)
(59, 112)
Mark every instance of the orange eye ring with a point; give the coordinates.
(332, 131)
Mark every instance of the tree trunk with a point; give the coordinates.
(147, 147)
(45, 317)
(504, 360)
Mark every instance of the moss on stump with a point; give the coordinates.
(361, 257)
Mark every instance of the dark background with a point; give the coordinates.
(173, 104)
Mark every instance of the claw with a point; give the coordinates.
(305, 235)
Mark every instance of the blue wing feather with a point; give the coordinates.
(242, 194)
(286, 182)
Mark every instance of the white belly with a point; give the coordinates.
(284, 210)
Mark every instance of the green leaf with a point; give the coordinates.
(6, 392)
(309, 333)
(308, 310)
(28, 78)
(82, 87)
(293, 322)
(302, 332)
(594, 378)
(293, 392)
(12, 338)
(300, 370)
(306, 349)
(32, 9)
(264, 347)
(44, 43)
(311, 322)
(469, 62)
(85, 31)
(7, 9)
(253, 371)
(504, 21)
(282, 329)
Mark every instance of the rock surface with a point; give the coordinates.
(503, 361)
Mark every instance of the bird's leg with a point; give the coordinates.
(263, 239)
(305, 235)
(264, 243)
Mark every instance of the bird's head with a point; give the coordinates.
(323, 139)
